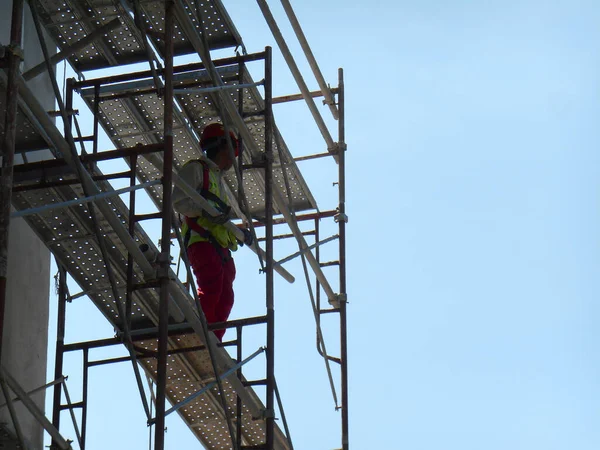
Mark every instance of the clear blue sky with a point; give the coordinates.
(473, 248)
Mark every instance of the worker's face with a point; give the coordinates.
(225, 157)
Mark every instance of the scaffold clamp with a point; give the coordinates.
(267, 414)
(338, 299)
(149, 253)
(340, 217)
(259, 160)
(14, 49)
(162, 261)
(337, 147)
(329, 102)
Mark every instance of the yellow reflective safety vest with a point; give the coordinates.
(201, 229)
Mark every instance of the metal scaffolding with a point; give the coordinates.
(154, 118)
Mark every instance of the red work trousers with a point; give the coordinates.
(215, 271)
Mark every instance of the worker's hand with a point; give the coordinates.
(219, 219)
(248, 238)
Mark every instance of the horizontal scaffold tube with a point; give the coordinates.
(228, 87)
(80, 201)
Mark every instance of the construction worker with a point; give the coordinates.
(209, 244)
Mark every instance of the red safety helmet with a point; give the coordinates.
(217, 130)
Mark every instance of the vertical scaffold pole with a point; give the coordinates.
(238, 412)
(60, 344)
(84, 400)
(270, 416)
(163, 321)
(96, 116)
(239, 329)
(241, 67)
(8, 149)
(342, 240)
(130, 280)
(317, 285)
(68, 125)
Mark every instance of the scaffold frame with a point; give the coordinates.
(74, 209)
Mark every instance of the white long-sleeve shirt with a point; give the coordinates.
(193, 174)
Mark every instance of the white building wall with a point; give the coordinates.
(25, 339)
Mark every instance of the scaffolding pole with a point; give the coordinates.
(164, 259)
(341, 218)
(270, 413)
(8, 149)
(60, 344)
(329, 100)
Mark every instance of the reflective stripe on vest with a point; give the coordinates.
(221, 235)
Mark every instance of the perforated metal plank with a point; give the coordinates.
(138, 119)
(67, 21)
(68, 233)
(219, 27)
(204, 414)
